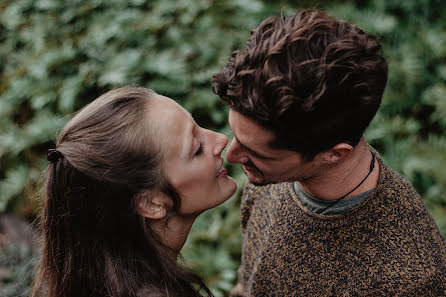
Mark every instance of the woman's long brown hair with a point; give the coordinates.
(94, 242)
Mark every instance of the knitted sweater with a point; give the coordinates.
(388, 245)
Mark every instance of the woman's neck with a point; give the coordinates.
(173, 231)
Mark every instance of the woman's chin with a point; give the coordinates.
(229, 188)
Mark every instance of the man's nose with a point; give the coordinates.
(235, 153)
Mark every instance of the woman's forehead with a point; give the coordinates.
(174, 124)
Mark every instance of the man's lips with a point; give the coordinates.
(250, 169)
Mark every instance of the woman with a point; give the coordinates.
(130, 173)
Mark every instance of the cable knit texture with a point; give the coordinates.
(389, 245)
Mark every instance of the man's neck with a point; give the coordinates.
(342, 177)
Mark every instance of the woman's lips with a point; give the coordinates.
(222, 171)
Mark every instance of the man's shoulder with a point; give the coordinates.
(394, 182)
(399, 194)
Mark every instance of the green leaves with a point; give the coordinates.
(435, 97)
(13, 184)
(56, 56)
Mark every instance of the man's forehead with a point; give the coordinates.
(250, 133)
(249, 127)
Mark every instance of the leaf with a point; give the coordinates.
(435, 96)
(12, 185)
(69, 91)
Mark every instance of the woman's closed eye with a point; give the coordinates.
(200, 149)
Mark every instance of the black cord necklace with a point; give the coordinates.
(372, 165)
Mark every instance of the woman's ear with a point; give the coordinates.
(337, 153)
(153, 205)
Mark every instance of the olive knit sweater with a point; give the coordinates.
(388, 245)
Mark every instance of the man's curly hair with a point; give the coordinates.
(312, 79)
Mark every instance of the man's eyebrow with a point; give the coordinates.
(253, 152)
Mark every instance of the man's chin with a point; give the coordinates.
(255, 179)
(259, 180)
(258, 183)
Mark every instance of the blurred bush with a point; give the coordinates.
(56, 56)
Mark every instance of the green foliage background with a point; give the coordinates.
(56, 56)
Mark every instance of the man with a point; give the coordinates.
(322, 214)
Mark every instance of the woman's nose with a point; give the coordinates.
(220, 143)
